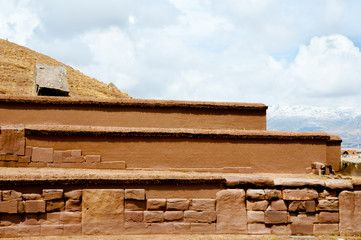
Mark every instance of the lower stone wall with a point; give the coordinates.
(311, 207)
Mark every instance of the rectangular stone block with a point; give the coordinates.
(302, 228)
(112, 165)
(305, 218)
(12, 140)
(70, 217)
(255, 216)
(350, 212)
(320, 229)
(50, 218)
(35, 206)
(135, 194)
(153, 216)
(52, 230)
(255, 194)
(92, 158)
(204, 228)
(156, 204)
(310, 206)
(8, 195)
(43, 155)
(203, 205)
(182, 227)
(297, 206)
(57, 205)
(58, 156)
(272, 194)
(177, 204)
(10, 231)
(329, 204)
(103, 211)
(299, 194)
(135, 205)
(173, 215)
(33, 219)
(133, 216)
(277, 205)
(328, 217)
(28, 230)
(24, 159)
(72, 205)
(200, 217)
(231, 211)
(72, 229)
(283, 229)
(258, 229)
(74, 194)
(50, 80)
(276, 217)
(52, 194)
(254, 205)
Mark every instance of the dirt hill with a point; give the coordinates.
(17, 64)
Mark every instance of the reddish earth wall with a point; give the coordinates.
(132, 113)
(238, 205)
(207, 150)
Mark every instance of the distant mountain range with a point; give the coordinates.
(339, 121)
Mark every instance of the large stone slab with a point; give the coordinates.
(12, 140)
(350, 212)
(103, 211)
(51, 80)
(231, 211)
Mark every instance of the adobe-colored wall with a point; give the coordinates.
(333, 152)
(133, 113)
(152, 152)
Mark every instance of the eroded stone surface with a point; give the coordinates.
(103, 211)
(12, 140)
(350, 212)
(51, 80)
(231, 211)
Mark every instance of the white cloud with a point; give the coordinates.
(329, 67)
(17, 22)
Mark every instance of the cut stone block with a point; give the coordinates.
(257, 205)
(103, 211)
(273, 194)
(70, 217)
(203, 205)
(92, 158)
(135, 194)
(12, 140)
(350, 213)
(57, 205)
(177, 204)
(329, 204)
(8, 195)
(153, 216)
(258, 228)
(300, 194)
(43, 155)
(231, 211)
(278, 205)
(156, 204)
(328, 217)
(255, 194)
(72, 229)
(35, 206)
(9, 206)
(52, 230)
(72, 205)
(135, 205)
(74, 194)
(200, 217)
(133, 216)
(302, 228)
(173, 215)
(52, 194)
(51, 80)
(281, 229)
(255, 216)
(330, 228)
(276, 217)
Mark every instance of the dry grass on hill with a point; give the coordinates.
(17, 66)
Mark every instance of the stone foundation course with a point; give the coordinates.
(262, 206)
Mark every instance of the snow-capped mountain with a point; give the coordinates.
(340, 121)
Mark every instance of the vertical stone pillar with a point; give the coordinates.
(12, 140)
(231, 211)
(103, 211)
(350, 213)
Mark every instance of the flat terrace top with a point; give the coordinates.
(28, 176)
(142, 103)
(79, 130)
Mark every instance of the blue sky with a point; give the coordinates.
(283, 52)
